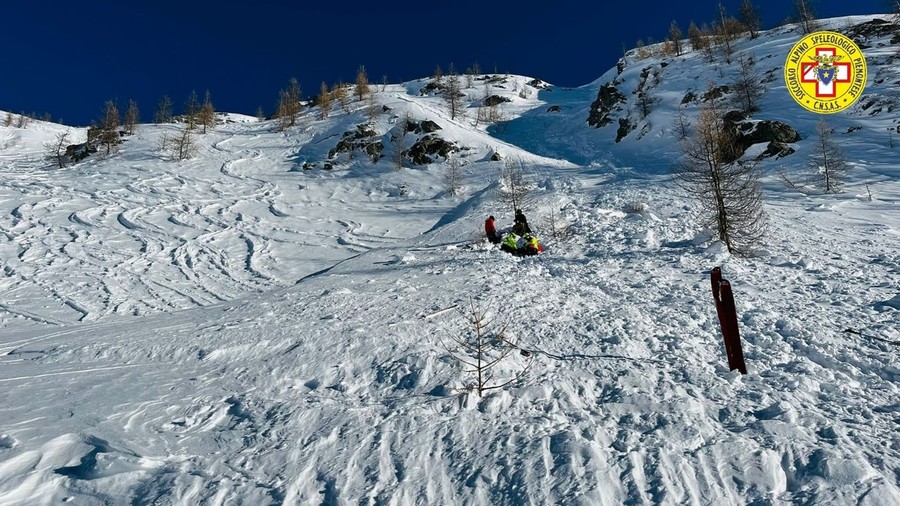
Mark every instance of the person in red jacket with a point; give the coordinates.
(491, 231)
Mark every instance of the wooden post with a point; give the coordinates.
(732, 336)
(727, 313)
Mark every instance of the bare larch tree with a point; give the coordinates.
(514, 187)
(452, 93)
(56, 148)
(675, 37)
(362, 83)
(829, 164)
(191, 109)
(484, 346)
(747, 86)
(109, 127)
(453, 177)
(398, 138)
(207, 114)
(749, 16)
(132, 116)
(805, 16)
(324, 101)
(727, 189)
(164, 111)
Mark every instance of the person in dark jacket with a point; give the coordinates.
(491, 231)
(520, 225)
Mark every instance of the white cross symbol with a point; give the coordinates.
(841, 74)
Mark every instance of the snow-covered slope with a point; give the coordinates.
(239, 329)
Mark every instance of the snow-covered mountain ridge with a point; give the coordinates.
(248, 327)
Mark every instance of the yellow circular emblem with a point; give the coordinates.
(825, 72)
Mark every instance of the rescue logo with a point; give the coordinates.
(825, 72)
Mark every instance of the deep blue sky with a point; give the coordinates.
(68, 60)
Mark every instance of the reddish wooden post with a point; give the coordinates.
(727, 313)
(732, 337)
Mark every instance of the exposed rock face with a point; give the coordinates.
(429, 126)
(747, 133)
(431, 87)
(608, 100)
(492, 79)
(874, 28)
(361, 139)
(777, 149)
(424, 149)
(78, 152)
(493, 100)
(625, 127)
(537, 83)
(769, 131)
(716, 93)
(426, 126)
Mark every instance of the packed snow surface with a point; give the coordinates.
(238, 329)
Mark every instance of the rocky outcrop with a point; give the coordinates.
(767, 131)
(362, 139)
(875, 28)
(493, 100)
(747, 133)
(427, 126)
(78, 152)
(424, 149)
(537, 83)
(777, 149)
(609, 100)
(625, 127)
(716, 93)
(431, 87)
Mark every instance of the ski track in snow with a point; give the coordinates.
(228, 330)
